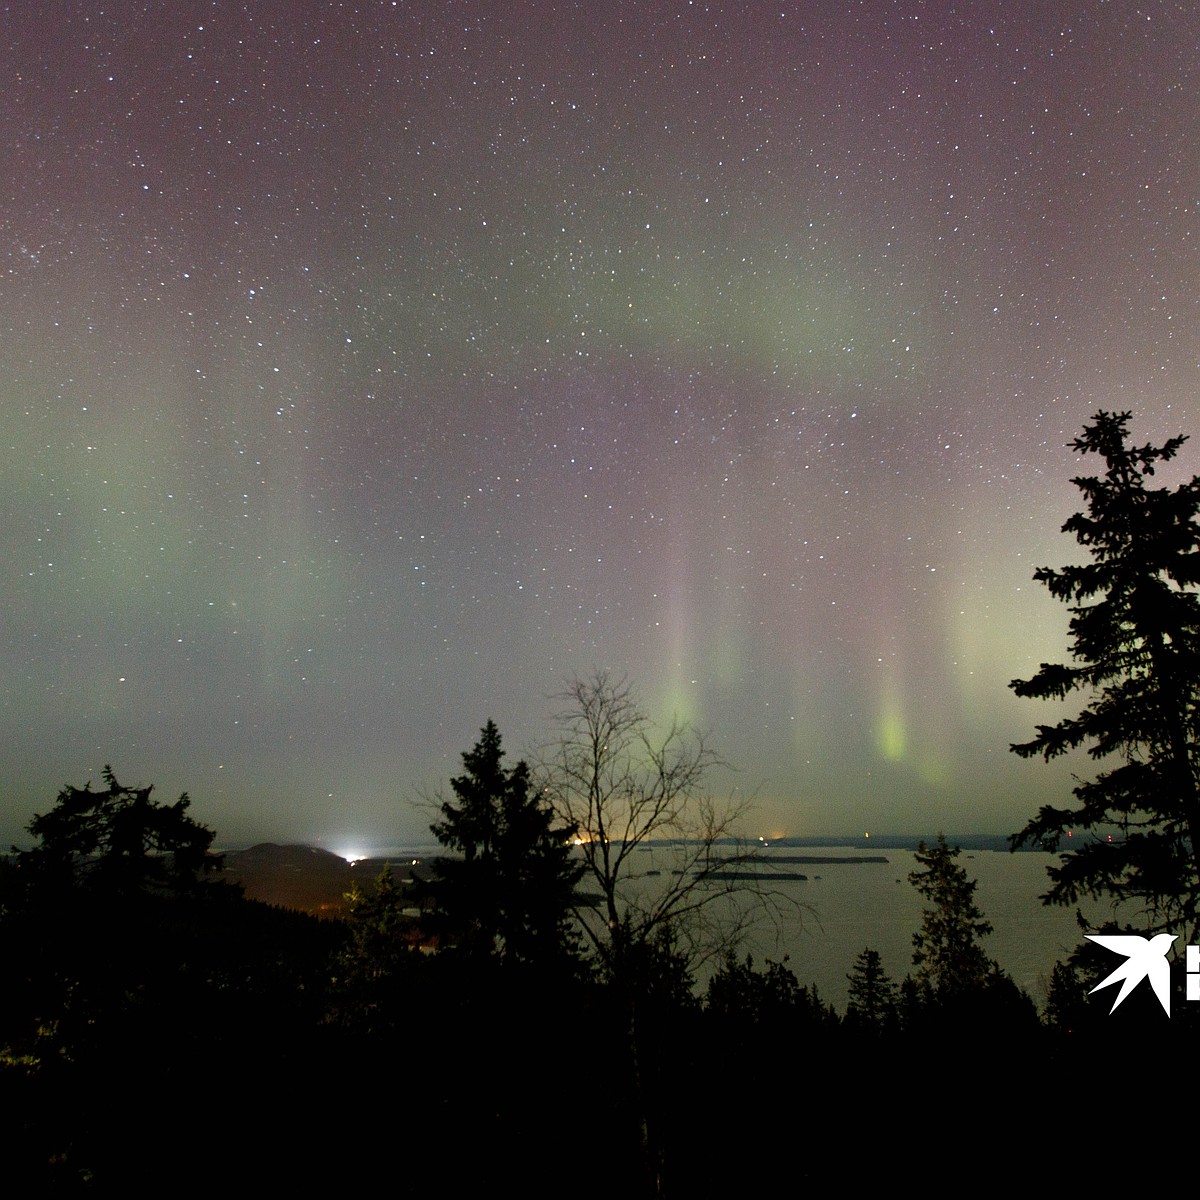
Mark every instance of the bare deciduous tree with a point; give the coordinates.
(662, 852)
(675, 885)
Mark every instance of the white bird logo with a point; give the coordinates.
(1146, 958)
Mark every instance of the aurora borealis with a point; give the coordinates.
(369, 369)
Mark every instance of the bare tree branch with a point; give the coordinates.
(659, 850)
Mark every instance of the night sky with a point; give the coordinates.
(371, 369)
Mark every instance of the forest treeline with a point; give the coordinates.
(153, 1017)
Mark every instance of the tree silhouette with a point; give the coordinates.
(946, 949)
(1135, 645)
(874, 1003)
(675, 886)
(130, 971)
(656, 846)
(119, 841)
(770, 1005)
(511, 894)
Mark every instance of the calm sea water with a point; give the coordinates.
(852, 906)
(845, 907)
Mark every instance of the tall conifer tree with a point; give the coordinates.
(512, 891)
(1135, 630)
(874, 1002)
(946, 949)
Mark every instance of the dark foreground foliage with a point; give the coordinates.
(153, 1034)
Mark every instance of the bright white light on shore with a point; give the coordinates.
(352, 855)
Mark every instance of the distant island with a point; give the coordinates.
(897, 841)
(812, 859)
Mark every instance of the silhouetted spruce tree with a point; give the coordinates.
(511, 893)
(946, 949)
(1135, 646)
(955, 980)
(874, 1003)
